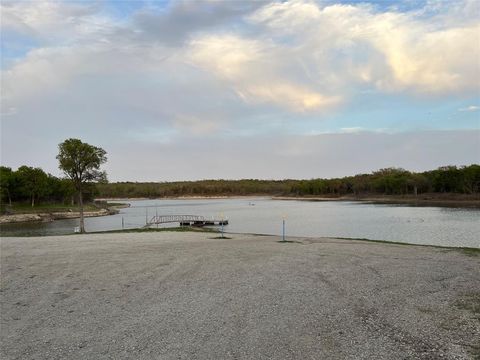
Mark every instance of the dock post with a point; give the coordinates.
(222, 224)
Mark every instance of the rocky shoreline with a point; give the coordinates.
(50, 216)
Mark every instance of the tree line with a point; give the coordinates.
(390, 181)
(32, 185)
(397, 181)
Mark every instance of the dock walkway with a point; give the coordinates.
(186, 220)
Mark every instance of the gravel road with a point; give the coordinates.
(173, 295)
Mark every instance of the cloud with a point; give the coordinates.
(470, 108)
(352, 130)
(252, 68)
(304, 57)
(52, 23)
(388, 50)
(201, 78)
(174, 24)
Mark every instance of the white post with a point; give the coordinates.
(221, 219)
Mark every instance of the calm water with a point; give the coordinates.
(419, 225)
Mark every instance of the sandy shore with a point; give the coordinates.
(188, 296)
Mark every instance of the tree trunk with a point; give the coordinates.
(9, 198)
(33, 200)
(80, 202)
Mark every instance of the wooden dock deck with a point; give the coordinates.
(186, 220)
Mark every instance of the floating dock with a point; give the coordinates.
(186, 220)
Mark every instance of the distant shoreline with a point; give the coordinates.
(219, 197)
(427, 200)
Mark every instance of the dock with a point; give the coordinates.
(186, 220)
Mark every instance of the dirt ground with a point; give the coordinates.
(184, 295)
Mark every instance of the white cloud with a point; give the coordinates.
(392, 51)
(305, 57)
(55, 22)
(309, 58)
(470, 108)
(89, 75)
(352, 130)
(256, 72)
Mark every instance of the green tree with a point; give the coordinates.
(33, 182)
(447, 179)
(471, 179)
(81, 164)
(7, 183)
(418, 183)
(68, 191)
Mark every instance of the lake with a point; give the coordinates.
(417, 225)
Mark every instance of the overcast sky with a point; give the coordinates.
(185, 90)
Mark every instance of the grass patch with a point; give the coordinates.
(384, 242)
(470, 251)
(425, 310)
(466, 250)
(471, 302)
(114, 204)
(289, 242)
(394, 242)
(475, 351)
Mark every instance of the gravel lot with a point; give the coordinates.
(189, 296)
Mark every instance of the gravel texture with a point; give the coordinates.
(188, 296)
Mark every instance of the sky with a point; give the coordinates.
(188, 90)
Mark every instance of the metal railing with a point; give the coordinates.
(163, 219)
